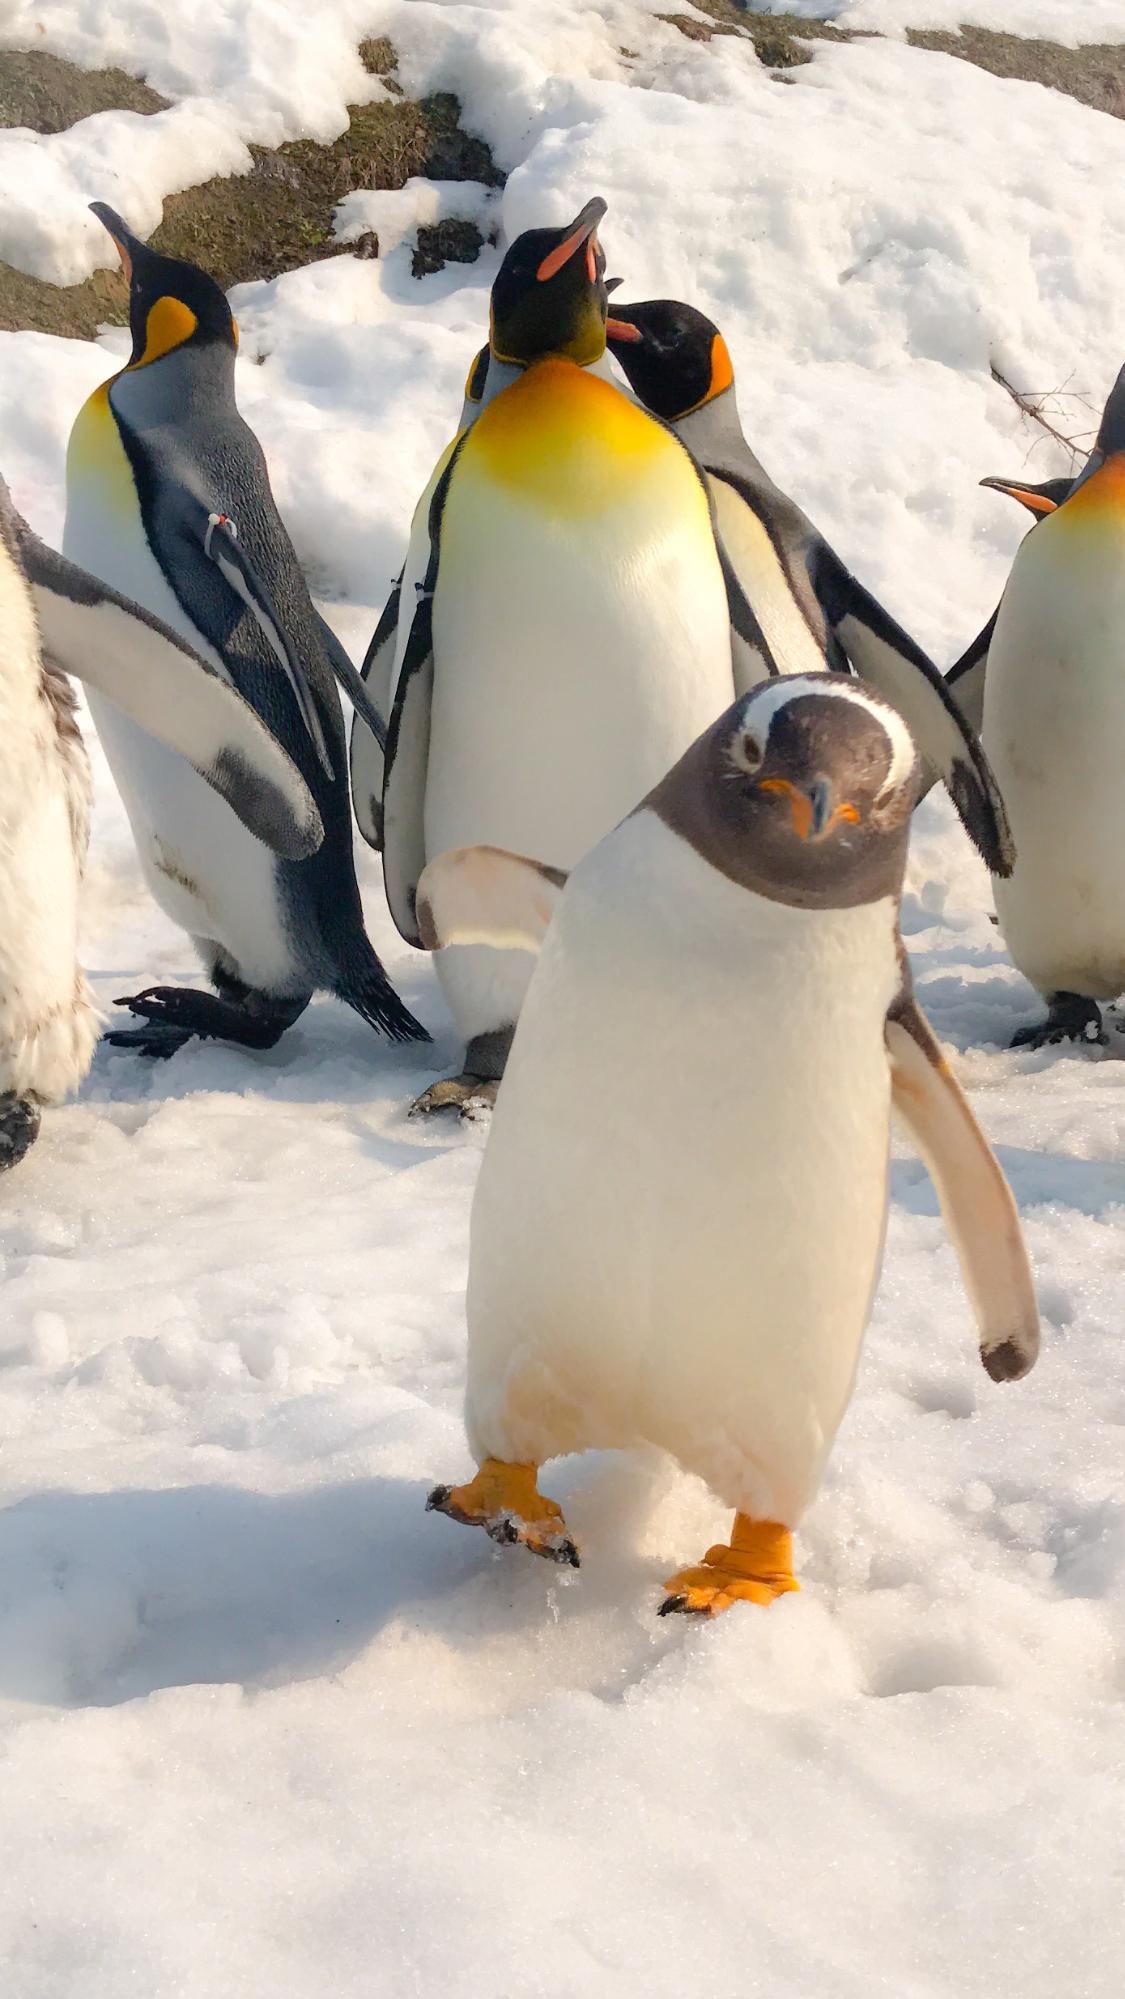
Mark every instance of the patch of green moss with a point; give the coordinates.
(780, 40)
(279, 215)
(1094, 74)
(45, 94)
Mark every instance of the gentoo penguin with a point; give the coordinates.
(813, 612)
(679, 1220)
(168, 498)
(55, 619)
(1049, 681)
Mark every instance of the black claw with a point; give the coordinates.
(670, 1604)
(1070, 1017)
(438, 1499)
(1005, 1362)
(19, 1129)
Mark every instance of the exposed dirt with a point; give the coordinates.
(1095, 74)
(256, 225)
(780, 40)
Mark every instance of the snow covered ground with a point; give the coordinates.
(265, 1728)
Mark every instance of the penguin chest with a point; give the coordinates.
(1054, 728)
(680, 1215)
(209, 875)
(581, 630)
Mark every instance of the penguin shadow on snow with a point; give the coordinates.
(326, 1055)
(108, 1597)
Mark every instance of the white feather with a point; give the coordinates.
(48, 1027)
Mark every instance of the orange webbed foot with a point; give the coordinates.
(757, 1567)
(505, 1500)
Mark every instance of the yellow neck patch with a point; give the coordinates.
(170, 322)
(568, 441)
(1099, 504)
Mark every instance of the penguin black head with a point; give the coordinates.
(171, 303)
(674, 357)
(802, 791)
(1039, 500)
(549, 296)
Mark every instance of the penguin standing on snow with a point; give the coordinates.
(1047, 677)
(692, 1266)
(566, 626)
(813, 612)
(570, 624)
(168, 498)
(54, 619)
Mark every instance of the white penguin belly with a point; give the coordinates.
(208, 874)
(1054, 730)
(575, 661)
(48, 1027)
(679, 1218)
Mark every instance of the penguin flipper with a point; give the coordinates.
(484, 895)
(887, 658)
(367, 714)
(222, 547)
(167, 689)
(965, 678)
(976, 1200)
(367, 755)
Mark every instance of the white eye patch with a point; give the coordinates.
(767, 702)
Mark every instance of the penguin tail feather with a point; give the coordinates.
(363, 985)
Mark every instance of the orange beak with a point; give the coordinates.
(126, 259)
(583, 233)
(813, 812)
(620, 329)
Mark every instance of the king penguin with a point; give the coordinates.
(168, 498)
(566, 629)
(692, 1267)
(489, 374)
(815, 615)
(1047, 678)
(55, 619)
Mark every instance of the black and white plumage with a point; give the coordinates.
(168, 497)
(814, 613)
(55, 619)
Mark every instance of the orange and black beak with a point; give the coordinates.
(812, 806)
(1039, 500)
(582, 234)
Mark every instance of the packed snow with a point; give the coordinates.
(267, 1728)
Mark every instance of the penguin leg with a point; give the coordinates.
(476, 1087)
(19, 1128)
(1070, 1017)
(756, 1568)
(174, 1014)
(505, 1500)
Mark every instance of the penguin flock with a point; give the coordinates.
(640, 756)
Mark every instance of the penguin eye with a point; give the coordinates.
(752, 751)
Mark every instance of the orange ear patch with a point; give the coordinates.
(722, 371)
(170, 322)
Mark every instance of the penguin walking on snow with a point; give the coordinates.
(1047, 678)
(56, 619)
(168, 499)
(814, 613)
(692, 1266)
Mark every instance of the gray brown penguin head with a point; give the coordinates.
(802, 791)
